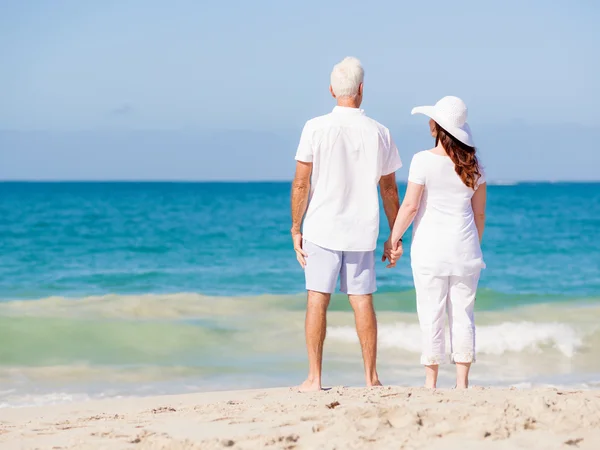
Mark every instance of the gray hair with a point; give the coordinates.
(346, 77)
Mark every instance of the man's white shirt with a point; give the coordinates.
(350, 152)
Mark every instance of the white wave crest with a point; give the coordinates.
(143, 306)
(492, 339)
(54, 398)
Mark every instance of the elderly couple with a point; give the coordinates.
(341, 160)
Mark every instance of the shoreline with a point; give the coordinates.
(339, 418)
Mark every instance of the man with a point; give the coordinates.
(341, 159)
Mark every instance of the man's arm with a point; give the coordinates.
(389, 195)
(391, 205)
(300, 191)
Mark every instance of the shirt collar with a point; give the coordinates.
(347, 110)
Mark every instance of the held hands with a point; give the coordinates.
(300, 254)
(392, 252)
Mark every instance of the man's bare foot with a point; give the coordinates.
(309, 386)
(374, 383)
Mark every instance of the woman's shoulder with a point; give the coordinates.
(419, 167)
(422, 156)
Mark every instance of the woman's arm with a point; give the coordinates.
(408, 211)
(478, 203)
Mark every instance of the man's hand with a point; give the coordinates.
(392, 253)
(300, 254)
(300, 193)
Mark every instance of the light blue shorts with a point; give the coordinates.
(356, 270)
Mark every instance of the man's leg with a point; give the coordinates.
(358, 281)
(315, 327)
(321, 271)
(366, 328)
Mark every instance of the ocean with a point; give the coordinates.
(128, 289)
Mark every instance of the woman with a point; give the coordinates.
(445, 197)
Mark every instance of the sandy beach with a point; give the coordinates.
(339, 418)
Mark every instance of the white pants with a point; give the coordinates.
(454, 295)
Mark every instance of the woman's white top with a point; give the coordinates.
(445, 239)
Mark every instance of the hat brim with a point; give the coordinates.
(463, 134)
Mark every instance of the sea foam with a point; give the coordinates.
(491, 339)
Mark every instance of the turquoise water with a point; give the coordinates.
(136, 288)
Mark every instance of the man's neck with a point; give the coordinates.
(348, 102)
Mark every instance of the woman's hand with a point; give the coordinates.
(392, 252)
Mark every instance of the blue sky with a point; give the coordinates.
(193, 71)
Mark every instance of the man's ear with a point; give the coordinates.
(360, 89)
(331, 90)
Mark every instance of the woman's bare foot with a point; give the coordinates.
(310, 386)
(374, 383)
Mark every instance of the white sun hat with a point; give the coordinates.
(450, 113)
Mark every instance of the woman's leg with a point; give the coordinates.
(431, 375)
(461, 302)
(462, 375)
(431, 308)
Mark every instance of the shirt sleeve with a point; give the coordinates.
(482, 178)
(391, 160)
(416, 173)
(305, 149)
